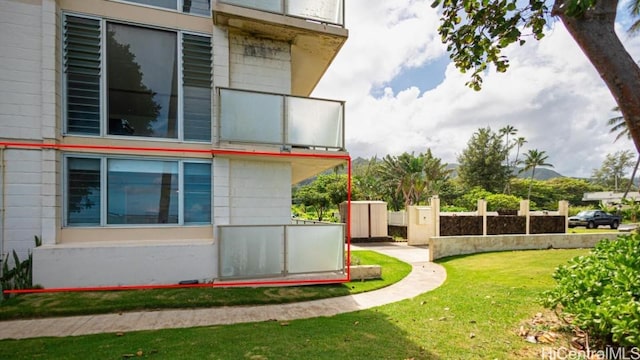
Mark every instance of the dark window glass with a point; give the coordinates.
(142, 192)
(83, 191)
(142, 81)
(197, 193)
(200, 7)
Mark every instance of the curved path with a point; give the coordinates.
(425, 276)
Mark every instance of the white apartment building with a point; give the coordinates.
(156, 141)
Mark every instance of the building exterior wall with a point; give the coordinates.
(117, 264)
(245, 190)
(260, 64)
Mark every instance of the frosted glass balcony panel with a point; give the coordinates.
(322, 10)
(264, 5)
(251, 251)
(315, 248)
(251, 117)
(314, 122)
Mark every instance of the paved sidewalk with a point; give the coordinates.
(425, 276)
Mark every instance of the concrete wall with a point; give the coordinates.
(260, 192)
(423, 222)
(29, 98)
(28, 69)
(111, 264)
(440, 247)
(259, 64)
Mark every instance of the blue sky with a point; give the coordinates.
(402, 93)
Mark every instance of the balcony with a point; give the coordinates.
(315, 30)
(267, 251)
(275, 119)
(323, 11)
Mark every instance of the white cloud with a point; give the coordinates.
(550, 93)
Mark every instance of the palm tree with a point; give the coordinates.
(506, 131)
(620, 126)
(519, 144)
(532, 160)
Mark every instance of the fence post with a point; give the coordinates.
(435, 215)
(524, 211)
(482, 211)
(563, 210)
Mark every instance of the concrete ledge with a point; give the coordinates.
(444, 246)
(365, 272)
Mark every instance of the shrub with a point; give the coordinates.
(20, 276)
(601, 291)
(502, 201)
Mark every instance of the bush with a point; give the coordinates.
(502, 201)
(601, 291)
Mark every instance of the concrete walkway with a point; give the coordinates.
(425, 276)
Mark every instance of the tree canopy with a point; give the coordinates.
(476, 32)
(482, 161)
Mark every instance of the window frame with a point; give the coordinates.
(104, 111)
(104, 159)
(179, 5)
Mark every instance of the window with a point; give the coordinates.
(199, 7)
(137, 192)
(150, 91)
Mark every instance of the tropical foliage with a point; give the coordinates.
(482, 161)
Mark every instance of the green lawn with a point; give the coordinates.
(474, 315)
(82, 303)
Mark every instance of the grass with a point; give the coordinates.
(474, 315)
(83, 303)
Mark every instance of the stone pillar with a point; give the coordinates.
(563, 210)
(524, 211)
(482, 211)
(435, 214)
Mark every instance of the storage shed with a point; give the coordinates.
(368, 219)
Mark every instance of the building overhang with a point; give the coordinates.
(314, 45)
(304, 165)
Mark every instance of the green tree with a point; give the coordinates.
(506, 131)
(613, 168)
(482, 162)
(532, 160)
(476, 32)
(366, 185)
(520, 141)
(412, 178)
(325, 192)
(436, 173)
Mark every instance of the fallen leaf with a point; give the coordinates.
(356, 323)
(472, 335)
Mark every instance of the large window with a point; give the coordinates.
(157, 83)
(136, 192)
(200, 7)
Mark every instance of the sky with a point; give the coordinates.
(403, 95)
